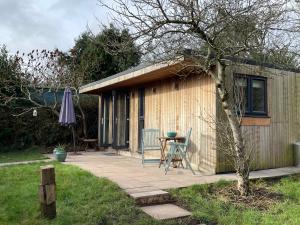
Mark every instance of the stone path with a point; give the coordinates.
(148, 184)
(25, 162)
(130, 175)
(158, 204)
(166, 211)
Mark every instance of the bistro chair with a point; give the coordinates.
(150, 141)
(178, 152)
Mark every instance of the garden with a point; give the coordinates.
(83, 198)
(212, 36)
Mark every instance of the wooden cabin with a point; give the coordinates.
(171, 98)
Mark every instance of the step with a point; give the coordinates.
(141, 189)
(151, 197)
(166, 211)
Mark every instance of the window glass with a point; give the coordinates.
(250, 95)
(241, 94)
(258, 95)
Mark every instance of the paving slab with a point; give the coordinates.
(129, 173)
(148, 194)
(141, 189)
(152, 198)
(166, 211)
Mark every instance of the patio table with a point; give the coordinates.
(91, 141)
(163, 144)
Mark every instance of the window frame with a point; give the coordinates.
(249, 80)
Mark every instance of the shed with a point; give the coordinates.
(172, 96)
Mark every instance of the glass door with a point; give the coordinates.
(120, 120)
(141, 115)
(106, 123)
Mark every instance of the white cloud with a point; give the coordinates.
(39, 24)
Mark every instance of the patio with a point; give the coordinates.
(131, 176)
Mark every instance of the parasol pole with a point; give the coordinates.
(74, 144)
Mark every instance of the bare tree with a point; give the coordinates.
(225, 142)
(217, 29)
(38, 74)
(41, 77)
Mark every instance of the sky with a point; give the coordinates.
(47, 24)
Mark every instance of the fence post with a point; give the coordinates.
(47, 192)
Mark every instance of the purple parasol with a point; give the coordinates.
(67, 113)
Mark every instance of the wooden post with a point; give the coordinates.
(47, 192)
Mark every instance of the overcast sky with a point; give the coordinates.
(47, 24)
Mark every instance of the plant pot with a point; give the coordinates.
(60, 156)
(171, 134)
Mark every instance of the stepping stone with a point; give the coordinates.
(141, 189)
(151, 197)
(166, 211)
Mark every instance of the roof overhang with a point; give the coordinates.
(134, 76)
(148, 73)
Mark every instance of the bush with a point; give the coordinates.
(44, 130)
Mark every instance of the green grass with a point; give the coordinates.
(85, 199)
(32, 153)
(207, 208)
(81, 199)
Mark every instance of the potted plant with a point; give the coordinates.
(60, 153)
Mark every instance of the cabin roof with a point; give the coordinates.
(142, 73)
(147, 72)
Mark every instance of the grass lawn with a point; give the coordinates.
(209, 205)
(85, 199)
(32, 153)
(81, 199)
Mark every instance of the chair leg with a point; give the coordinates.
(188, 164)
(183, 155)
(143, 157)
(169, 158)
(181, 164)
(167, 164)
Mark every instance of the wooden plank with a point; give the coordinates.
(47, 192)
(47, 175)
(254, 121)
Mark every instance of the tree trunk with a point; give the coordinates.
(241, 160)
(243, 184)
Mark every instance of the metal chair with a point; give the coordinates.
(179, 151)
(150, 141)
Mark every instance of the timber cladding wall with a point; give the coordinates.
(133, 124)
(273, 139)
(176, 105)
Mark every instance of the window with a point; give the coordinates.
(251, 94)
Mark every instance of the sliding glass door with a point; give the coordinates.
(120, 119)
(114, 127)
(106, 122)
(141, 115)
